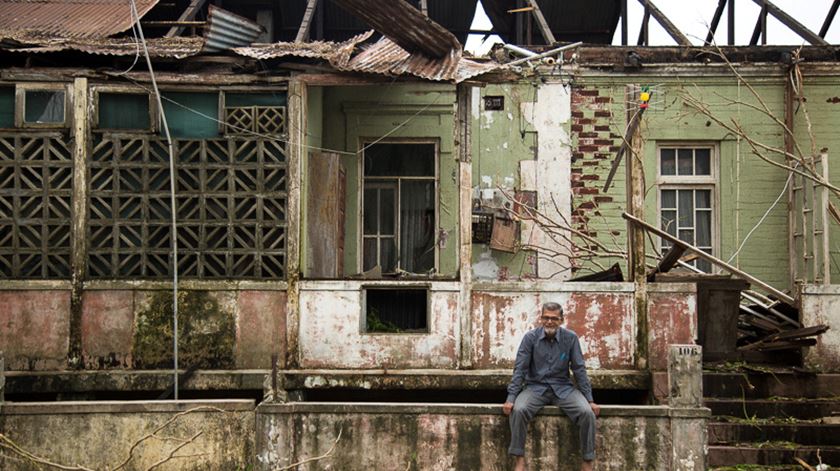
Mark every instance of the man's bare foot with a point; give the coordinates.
(587, 465)
(519, 464)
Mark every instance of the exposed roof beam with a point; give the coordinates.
(643, 30)
(760, 30)
(715, 20)
(829, 18)
(791, 23)
(544, 29)
(188, 15)
(623, 22)
(666, 23)
(731, 26)
(303, 31)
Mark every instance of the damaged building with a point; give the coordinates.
(369, 218)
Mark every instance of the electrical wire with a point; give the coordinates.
(135, 17)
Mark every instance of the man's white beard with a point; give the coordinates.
(550, 331)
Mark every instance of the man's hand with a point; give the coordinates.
(507, 408)
(596, 409)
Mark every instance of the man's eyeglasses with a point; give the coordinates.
(550, 319)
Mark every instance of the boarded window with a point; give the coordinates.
(396, 310)
(192, 115)
(43, 107)
(128, 111)
(399, 211)
(7, 107)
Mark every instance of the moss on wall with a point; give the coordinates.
(206, 331)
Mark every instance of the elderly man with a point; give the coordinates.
(541, 377)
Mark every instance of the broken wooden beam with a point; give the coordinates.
(710, 37)
(303, 31)
(544, 28)
(709, 258)
(668, 261)
(791, 23)
(663, 20)
(188, 15)
(829, 18)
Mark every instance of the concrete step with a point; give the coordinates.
(759, 385)
(804, 433)
(771, 455)
(805, 409)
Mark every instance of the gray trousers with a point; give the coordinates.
(528, 403)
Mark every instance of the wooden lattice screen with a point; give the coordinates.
(255, 119)
(36, 185)
(231, 197)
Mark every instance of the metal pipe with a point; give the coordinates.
(546, 54)
(519, 50)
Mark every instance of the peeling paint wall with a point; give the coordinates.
(441, 437)
(331, 320)
(601, 314)
(820, 305)
(35, 329)
(672, 319)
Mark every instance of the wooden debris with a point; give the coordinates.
(612, 273)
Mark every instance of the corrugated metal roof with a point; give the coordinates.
(68, 18)
(338, 53)
(388, 58)
(404, 25)
(177, 48)
(226, 30)
(590, 21)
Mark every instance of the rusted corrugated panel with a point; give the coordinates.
(226, 30)
(388, 58)
(158, 47)
(68, 18)
(334, 52)
(405, 25)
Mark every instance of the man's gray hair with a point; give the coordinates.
(553, 307)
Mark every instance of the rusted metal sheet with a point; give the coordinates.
(672, 319)
(226, 30)
(69, 19)
(330, 51)
(388, 58)
(604, 321)
(177, 48)
(405, 25)
(331, 322)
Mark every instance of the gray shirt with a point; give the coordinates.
(544, 362)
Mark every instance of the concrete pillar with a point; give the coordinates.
(685, 376)
(2, 378)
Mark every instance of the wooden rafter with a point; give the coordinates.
(663, 20)
(303, 31)
(791, 23)
(544, 28)
(760, 30)
(188, 15)
(643, 30)
(829, 18)
(715, 21)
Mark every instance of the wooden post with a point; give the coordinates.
(793, 258)
(824, 227)
(464, 153)
(81, 135)
(296, 116)
(635, 235)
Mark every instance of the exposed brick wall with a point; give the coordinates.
(595, 142)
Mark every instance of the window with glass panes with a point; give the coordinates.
(398, 207)
(686, 196)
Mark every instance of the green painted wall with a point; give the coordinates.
(746, 186)
(500, 140)
(352, 115)
(314, 136)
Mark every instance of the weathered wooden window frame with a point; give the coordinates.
(154, 118)
(692, 182)
(20, 104)
(367, 141)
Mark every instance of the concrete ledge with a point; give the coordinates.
(356, 285)
(670, 287)
(193, 285)
(555, 286)
(25, 382)
(122, 407)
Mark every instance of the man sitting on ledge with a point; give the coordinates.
(541, 377)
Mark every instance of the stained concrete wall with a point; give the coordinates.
(469, 436)
(820, 304)
(128, 326)
(99, 435)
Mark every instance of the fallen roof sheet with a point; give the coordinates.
(226, 30)
(388, 58)
(405, 25)
(68, 18)
(326, 50)
(177, 48)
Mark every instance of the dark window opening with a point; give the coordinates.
(494, 103)
(124, 111)
(7, 107)
(399, 215)
(44, 107)
(396, 310)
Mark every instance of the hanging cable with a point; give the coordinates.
(136, 19)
